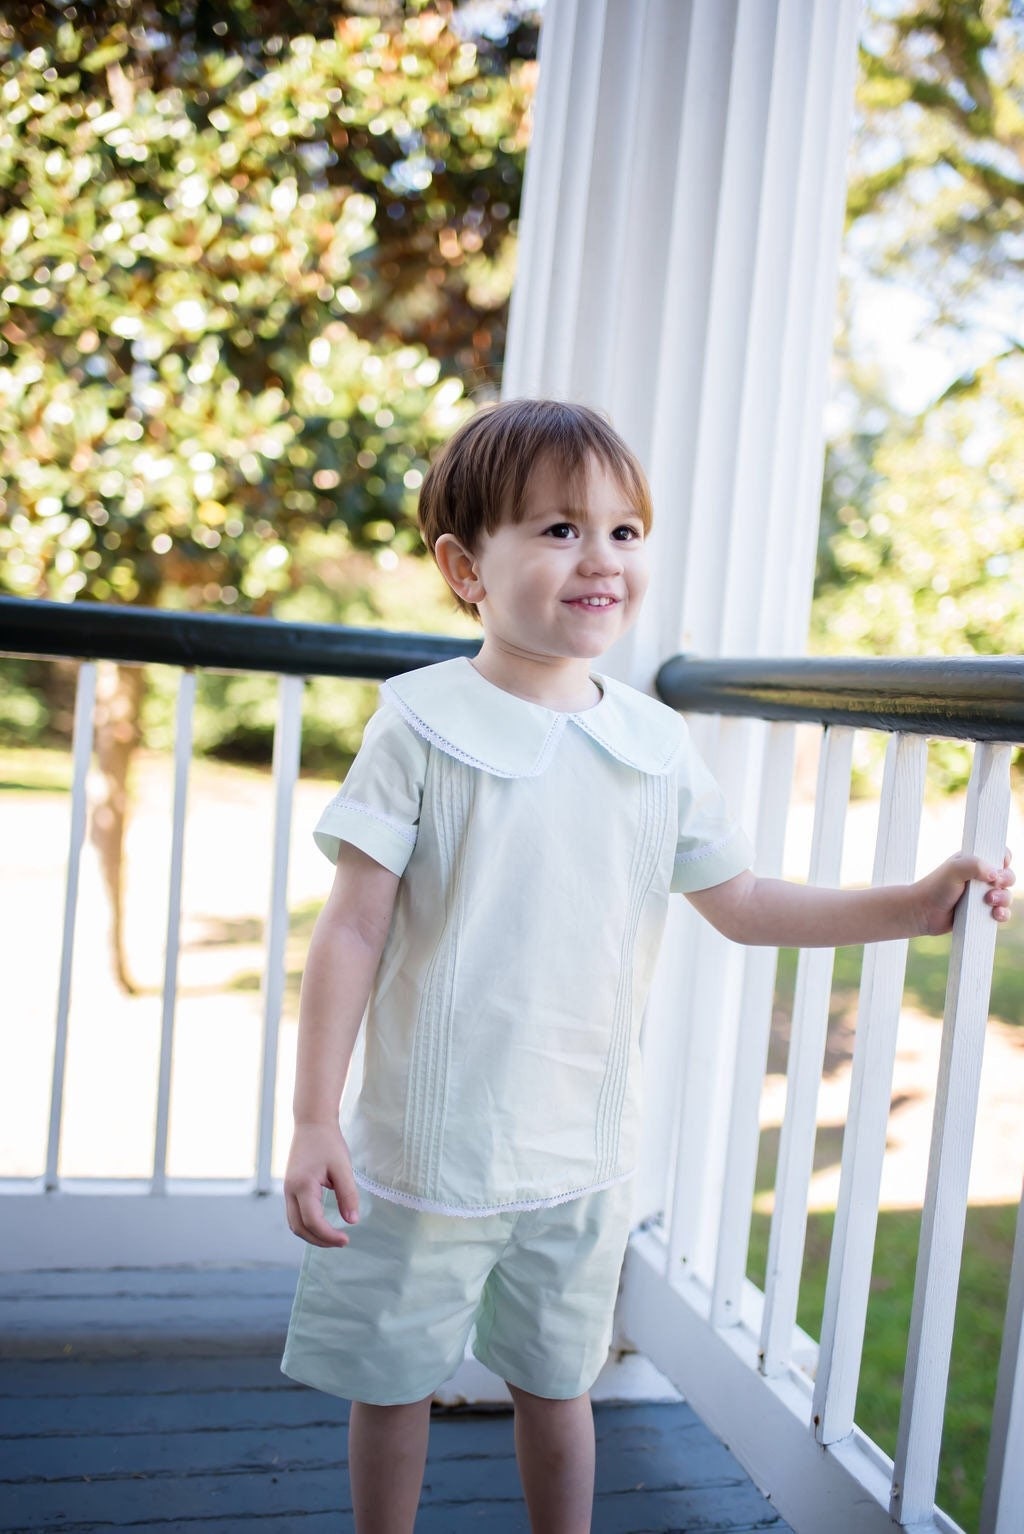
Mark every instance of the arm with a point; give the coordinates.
(344, 953)
(777, 913)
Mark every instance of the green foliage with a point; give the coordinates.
(235, 717)
(209, 346)
(939, 151)
(23, 713)
(929, 559)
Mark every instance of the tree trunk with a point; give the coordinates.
(119, 694)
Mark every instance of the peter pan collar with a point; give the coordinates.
(456, 709)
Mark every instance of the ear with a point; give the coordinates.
(459, 568)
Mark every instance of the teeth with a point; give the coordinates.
(596, 601)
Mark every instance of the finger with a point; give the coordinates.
(298, 1226)
(1007, 858)
(315, 1226)
(346, 1191)
(323, 1235)
(337, 1238)
(967, 866)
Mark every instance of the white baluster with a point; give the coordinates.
(874, 1054)
(172, 943)
(806, 1057)
(738, 768)
(81, 755)
(752, 1046)
(711, 991)
(287, 744)
(956, 1106)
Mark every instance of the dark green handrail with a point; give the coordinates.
(971, 697)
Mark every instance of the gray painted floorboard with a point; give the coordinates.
(153, 1401)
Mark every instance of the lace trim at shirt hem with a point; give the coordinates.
(341, 801)
(430, 1206)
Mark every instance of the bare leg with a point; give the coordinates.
(387, 1453)
(555, 1451)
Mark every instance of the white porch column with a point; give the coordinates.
(679, 245)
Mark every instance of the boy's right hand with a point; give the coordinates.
(319, 1159)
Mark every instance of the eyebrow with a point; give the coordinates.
(578, 511)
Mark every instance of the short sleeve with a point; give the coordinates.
(377, 808)
(711, 846)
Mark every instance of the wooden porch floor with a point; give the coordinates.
(153, 1400)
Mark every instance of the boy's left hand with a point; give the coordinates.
(938, 893)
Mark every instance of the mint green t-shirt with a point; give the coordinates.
(537, 850)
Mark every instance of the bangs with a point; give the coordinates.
(521, 434)
(571, 458)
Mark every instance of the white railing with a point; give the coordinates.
(783, 1402)
(59, 1217)
(86, 1220)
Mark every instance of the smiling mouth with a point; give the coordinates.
(593, 603)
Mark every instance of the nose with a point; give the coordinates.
(600, 556)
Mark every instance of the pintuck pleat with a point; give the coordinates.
(653, 809)
(449, 789)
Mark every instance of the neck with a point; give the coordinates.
(558, 682)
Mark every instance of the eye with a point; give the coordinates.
(627, 532)
(560, 530)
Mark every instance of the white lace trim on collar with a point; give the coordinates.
(452, 748)
(453, 707)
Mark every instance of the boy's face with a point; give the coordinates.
(568, 579)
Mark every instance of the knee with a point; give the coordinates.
(525, 1400)
(372, 1410)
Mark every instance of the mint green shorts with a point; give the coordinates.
(386, 1319)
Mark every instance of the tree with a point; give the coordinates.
(931, 560)
(920, 533)
(938, 165)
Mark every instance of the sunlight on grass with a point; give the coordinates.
(927, 966)
(981, 1307)
(300, 930)
(34, 769)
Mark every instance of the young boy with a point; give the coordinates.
(505, 845)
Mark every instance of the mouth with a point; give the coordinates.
(594, 603)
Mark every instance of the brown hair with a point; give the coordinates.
(481, 476)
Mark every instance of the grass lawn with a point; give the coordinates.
(983, 1284)
(34, 769)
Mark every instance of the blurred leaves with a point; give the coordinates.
(929, 558)
(244, 280)
(922, 534)
(939, 151)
